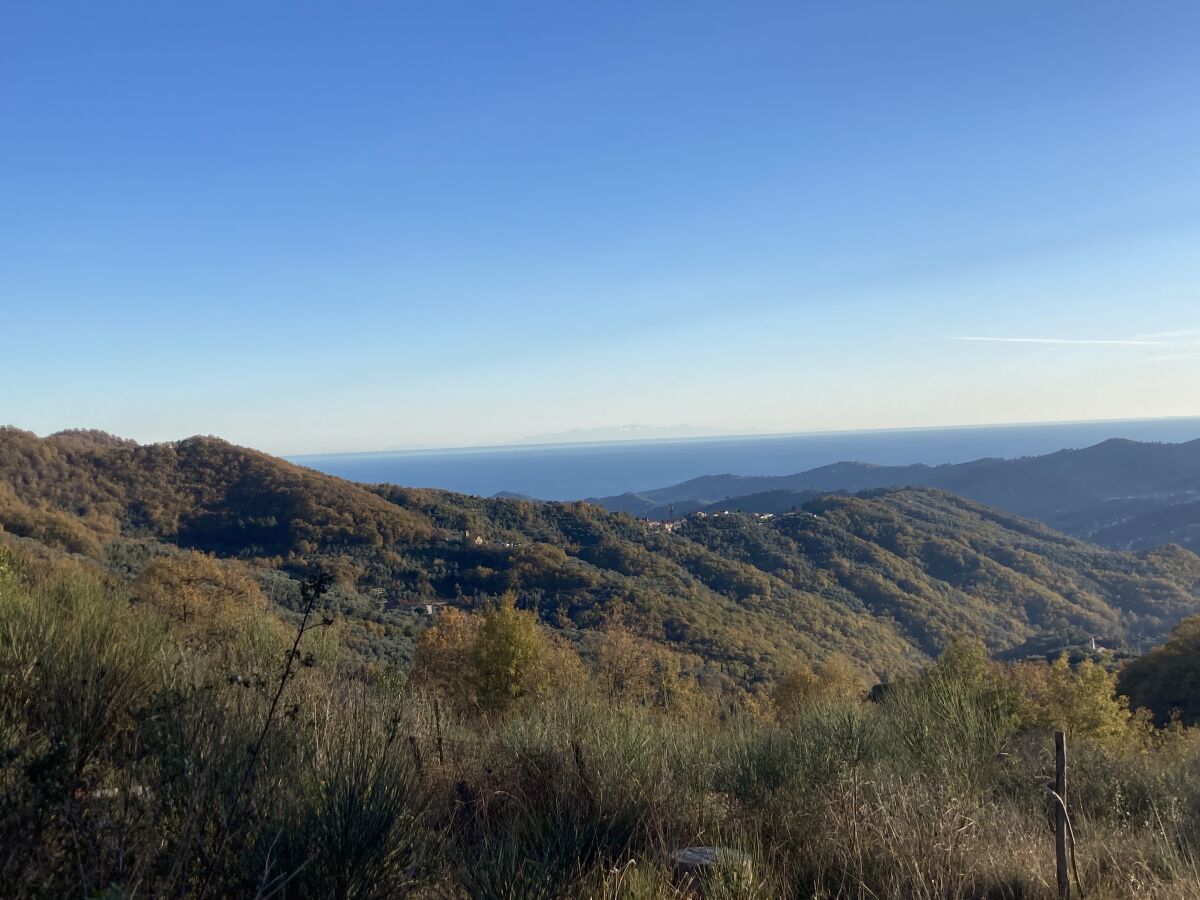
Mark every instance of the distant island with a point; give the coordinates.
(628, 433)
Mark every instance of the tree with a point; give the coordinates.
(507, 655)
(1082, 701)
(803, 687)
(964, 660)
(623, 665)
(1166, 681)
(631, 669)
(492, 660)
(443, 655)
(210, 602)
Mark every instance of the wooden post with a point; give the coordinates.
(1060, 814)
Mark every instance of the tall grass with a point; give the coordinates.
(123, 760)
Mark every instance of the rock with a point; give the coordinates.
(695, 867)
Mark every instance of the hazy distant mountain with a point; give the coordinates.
(1118, 493)
(628, 433)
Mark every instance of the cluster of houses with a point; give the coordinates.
(421, 607)
(672, 524)
(478, 541)
(666, 526)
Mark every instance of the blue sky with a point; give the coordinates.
(325, 226)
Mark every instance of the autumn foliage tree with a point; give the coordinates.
(493, 660)
(624, 666)
(210, 602)
(1082, 700)
(802, 687)
(628, 668)
(442, 655)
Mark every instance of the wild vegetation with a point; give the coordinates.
(217, 679)
(175, 736)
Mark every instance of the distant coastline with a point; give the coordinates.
(578, 470)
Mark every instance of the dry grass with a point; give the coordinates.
(125, 761)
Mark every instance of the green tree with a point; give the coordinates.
(1082, 701)
(506, 658)
(1166, 681)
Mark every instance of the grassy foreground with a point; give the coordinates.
(211, 751)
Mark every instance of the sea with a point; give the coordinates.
(578, 471)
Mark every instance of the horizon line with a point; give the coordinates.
(513, 446)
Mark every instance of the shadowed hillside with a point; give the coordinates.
(1120, 493)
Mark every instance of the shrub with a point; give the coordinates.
(802, 687)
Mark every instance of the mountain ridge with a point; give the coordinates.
(1117, 493)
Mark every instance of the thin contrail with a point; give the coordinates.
(1122, 342)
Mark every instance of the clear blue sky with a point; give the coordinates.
(319, 226)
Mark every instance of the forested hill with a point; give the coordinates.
(883, 578)
(1120, 493)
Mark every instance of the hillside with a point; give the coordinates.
(1123, 494)
(884, 578)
